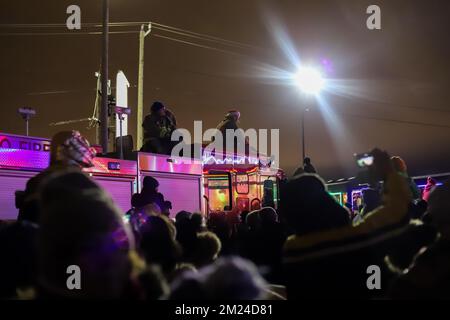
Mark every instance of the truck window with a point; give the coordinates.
(219, 192)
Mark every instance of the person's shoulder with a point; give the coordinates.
(149, 117)
(230, 124)
(169, 113)
(440, 251)
(429, 268)
(35, 182)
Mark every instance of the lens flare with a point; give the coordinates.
(309, 80)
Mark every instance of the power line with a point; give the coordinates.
(371, 101)
(63, 33)
(230, 42)
(426, 124)
(220, 41)
(196, 44)
(158, 26)
(119, 32)
(199, 36)
(63, 25)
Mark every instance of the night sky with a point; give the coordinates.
(393, 84)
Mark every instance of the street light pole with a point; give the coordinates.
(303, 134)
(104, 80)
(140, 108)
(310, 82)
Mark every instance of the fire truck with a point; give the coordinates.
(216, 182)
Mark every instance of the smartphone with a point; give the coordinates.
(364, 160)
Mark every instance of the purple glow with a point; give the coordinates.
(327, 65)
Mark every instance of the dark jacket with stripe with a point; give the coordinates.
(334, 263)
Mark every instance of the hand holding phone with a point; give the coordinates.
(377, 162)
(364, 160)
(382, 164)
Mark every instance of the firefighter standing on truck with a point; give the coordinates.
(158, 127)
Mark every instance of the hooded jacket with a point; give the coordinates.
(159, 127)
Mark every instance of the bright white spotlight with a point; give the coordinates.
(309, 80)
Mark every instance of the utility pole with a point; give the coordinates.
(104, 78)
(140, 108)
(304, 111)
(303, 136)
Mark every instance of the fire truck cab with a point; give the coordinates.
(236, 183)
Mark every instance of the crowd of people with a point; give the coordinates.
(308, 247)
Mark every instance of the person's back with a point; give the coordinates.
(186, 236)
(322, 260)
(429, 276)
(272, 239)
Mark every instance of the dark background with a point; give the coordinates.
(394, 83)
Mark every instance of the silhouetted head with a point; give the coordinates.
(158, 243)
(207, 248)
(230, 278)
(233, 115)
(188, 287)
(233, 278)
(158, 108)
(166, 207)
(81, 226)
(182, 215)
(431, 181)
(197, 221)
(71, 148)
(307, 161)
(308, 207)
(150, 183)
